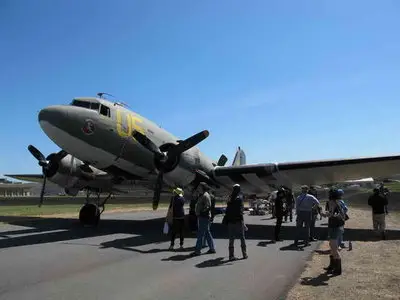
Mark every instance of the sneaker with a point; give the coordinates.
(211, 251)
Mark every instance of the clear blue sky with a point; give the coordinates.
(294, 80)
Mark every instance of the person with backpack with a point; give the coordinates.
(234, 220)
(341, 245)
(336, 220)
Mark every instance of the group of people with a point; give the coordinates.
(204, 212)
(307, 208)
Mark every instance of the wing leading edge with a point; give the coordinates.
(264, 177)
(27, 177)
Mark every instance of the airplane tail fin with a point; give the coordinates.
(240, 158)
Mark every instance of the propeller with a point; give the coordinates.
(49, 165)
(166, 160)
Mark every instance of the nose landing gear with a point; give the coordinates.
(89, 214)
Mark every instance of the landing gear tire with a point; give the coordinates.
(89, 215)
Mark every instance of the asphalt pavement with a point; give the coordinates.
(127, 257)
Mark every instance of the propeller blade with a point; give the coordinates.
(157, 191)
(188, 143)
(37, 154)
(222, 160)
(147, 143)
(42, 191)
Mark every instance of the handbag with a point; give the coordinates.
(337, 220)
(166, 228)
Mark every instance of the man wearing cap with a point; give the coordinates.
(378, 204)
(234, 219)
(203, 212)
(345, 209)
(178, 216)
(304, 206)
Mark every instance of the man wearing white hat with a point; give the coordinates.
(178, 216)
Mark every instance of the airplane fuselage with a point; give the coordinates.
(99, 133)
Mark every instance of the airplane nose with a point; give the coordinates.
(54, 115)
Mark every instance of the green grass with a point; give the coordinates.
(34, 210)
(393, 186)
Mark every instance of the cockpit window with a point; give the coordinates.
(86, 104)
(105, 110)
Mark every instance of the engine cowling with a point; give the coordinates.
(67, 171)
(71, 173)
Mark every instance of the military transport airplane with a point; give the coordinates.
(105, 145)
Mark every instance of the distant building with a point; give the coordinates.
(15, 189)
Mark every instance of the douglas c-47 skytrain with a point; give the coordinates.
(105, 146)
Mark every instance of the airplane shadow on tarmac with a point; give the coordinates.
(48, 230)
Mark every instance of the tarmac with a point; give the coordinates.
(127, 257)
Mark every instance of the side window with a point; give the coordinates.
(105, 111)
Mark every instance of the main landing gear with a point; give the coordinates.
(89, 215)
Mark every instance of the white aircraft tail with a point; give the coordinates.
(240, 158)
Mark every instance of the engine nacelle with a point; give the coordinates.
(179, 177)
(72, 174)
(71, 191)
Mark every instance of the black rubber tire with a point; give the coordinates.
(89, 214)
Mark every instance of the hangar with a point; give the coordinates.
(15, 189)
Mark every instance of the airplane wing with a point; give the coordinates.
(141, 186)
(27, 177)
(260, 178)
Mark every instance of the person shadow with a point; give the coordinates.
(179, 257)
(216, 262)
(320, 280)
(266, 243)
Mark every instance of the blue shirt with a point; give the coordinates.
(305, 202)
